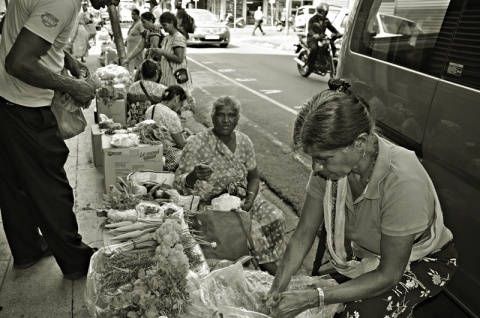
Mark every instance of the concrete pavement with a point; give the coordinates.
(41, 291)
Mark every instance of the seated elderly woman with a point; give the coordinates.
(222, 160)
(144, 92)
(165, 114)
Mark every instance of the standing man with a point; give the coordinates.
(258, 16)
(34, 190)
(317, 25)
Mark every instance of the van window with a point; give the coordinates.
(403, 32)
(462, 65)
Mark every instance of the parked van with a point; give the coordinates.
(418, 65)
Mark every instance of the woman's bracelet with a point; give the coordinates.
(321, 297)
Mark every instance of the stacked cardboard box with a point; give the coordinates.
(120, 162)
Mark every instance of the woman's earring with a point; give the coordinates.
(363, 153)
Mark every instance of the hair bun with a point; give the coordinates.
(340, 85)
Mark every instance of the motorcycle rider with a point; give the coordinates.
(317, 25)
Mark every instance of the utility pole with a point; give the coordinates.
(116, 30)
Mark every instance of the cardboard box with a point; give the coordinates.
(97, 146)
(120, 162)
(116, 111)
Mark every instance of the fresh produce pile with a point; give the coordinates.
(142, 271)
(115, 80)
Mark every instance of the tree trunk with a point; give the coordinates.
(117, 33)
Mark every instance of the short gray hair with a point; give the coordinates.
(226, 101)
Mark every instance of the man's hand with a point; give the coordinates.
(84, 92)
(316, 36)
(76, 68)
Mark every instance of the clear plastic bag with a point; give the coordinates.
(233, 292)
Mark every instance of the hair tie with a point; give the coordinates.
(339, 85)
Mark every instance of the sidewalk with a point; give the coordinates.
(41, 291)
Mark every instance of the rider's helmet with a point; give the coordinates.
(322, 9)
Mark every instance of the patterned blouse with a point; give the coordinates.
(148, 33)
(167, 118)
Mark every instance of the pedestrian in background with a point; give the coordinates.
(258, 16)
(81, 35)
(134, 37)
(151, 38)
(34, 189)
(173, 56)
(181, 15)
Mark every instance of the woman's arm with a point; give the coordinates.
(154, 41)
(177, 57)
(395, 253)
(138, 50)
(299, 245)
(180, 141)
(253, 184)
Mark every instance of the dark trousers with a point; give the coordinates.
(34, 189)
(312, 57)
(258, 24)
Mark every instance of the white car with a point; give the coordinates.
(209, 29)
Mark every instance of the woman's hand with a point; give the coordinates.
(247, 205)
(154, 52)
(292, 303)
(202, 171)
(125, 62)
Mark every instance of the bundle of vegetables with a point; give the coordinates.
(147, 276)
(150, 132)
(124, 195)
(124, 140)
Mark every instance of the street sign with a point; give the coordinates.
(271, 1)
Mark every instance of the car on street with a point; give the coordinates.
(209, 29)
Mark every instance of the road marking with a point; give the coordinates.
(236, 82)
(298, 107)
(208, 62)
(246, 79)
(270, 91)
(226, 70)
(303, 159)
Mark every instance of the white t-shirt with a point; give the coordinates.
(258, 15)
(51, 20)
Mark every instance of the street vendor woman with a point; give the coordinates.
(222, 160)
(378, 196)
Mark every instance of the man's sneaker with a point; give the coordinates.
(263, 33)
(46, 253)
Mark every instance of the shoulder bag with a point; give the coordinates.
(181, 74)
(230, 230)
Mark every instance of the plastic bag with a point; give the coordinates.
(234, 292)
(69, 115)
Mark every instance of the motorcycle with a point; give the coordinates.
(239, 23)
(279, 25)
(326, 61)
